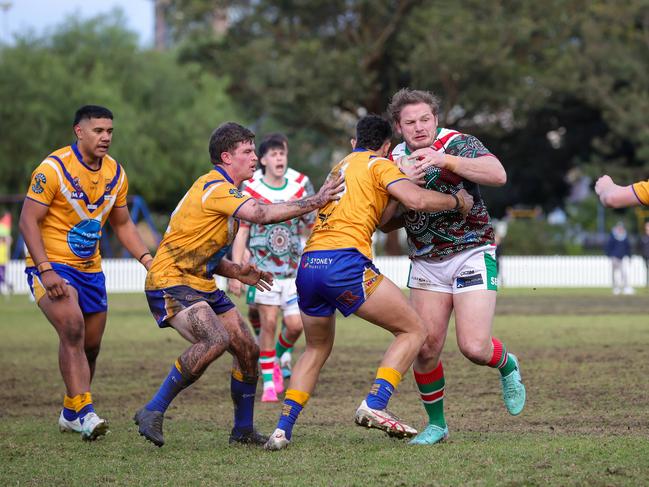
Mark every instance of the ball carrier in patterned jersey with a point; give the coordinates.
(180, 286)
(275, 249)
(336, 273)
(74, 191)
(453, 258)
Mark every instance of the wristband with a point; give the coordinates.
(44, 267)
(458, 203)
(46, 270)
(141, 256)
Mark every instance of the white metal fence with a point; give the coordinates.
(127, 276)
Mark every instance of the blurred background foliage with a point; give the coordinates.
(558, 90)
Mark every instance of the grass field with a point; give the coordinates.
(584, 357)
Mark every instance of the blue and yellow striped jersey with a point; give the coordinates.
(351, 221)
(200, 232)
(79, 200)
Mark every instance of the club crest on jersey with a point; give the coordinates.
(39, 180)
(236, 193)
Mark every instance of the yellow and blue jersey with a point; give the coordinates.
(351, 221)
(641, 190)
(200, 233)
(79, 200)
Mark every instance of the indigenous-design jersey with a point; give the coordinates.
(276, 247)
(306, 221)
(446, 232)
(199, 235)
(351, 221)
(79, 200)
(641, 190)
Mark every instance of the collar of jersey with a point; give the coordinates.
(223, 173)
(75, 149)
(273, 187)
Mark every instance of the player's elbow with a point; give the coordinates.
(500, 177)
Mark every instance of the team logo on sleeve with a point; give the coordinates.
(236, 193)
(39, 180)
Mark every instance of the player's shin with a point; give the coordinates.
(431, 389)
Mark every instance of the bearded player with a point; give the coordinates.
(453, 258)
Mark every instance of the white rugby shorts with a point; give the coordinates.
(470, 270)
(282, 294)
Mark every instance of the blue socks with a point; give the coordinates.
(243, 397)
(172, 385)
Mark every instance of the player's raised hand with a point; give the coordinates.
(603, 184)
(252, 276)
(331, 189)
(54, 284)
(465, 202)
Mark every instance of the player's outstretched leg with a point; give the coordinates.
(319, 335)
(474, 313)
(149, 418)
(197, 324)
(388, 308)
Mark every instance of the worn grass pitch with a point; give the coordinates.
(584, 357)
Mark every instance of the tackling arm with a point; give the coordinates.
(255, 212)
(418, 199)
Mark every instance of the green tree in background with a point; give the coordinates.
(164, 112)
(546, 85)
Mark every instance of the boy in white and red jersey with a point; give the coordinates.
(276, 249)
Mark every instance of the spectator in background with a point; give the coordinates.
(5, 246)
(644, 249)
(617, 249)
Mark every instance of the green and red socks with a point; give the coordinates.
(431, 390)
(267, 364)
(283, 344)
(500, 359)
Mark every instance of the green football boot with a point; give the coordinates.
(513, 389)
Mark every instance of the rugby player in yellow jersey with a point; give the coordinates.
(336, 272)
(180, 286)
(73, 192)
(615, 196)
